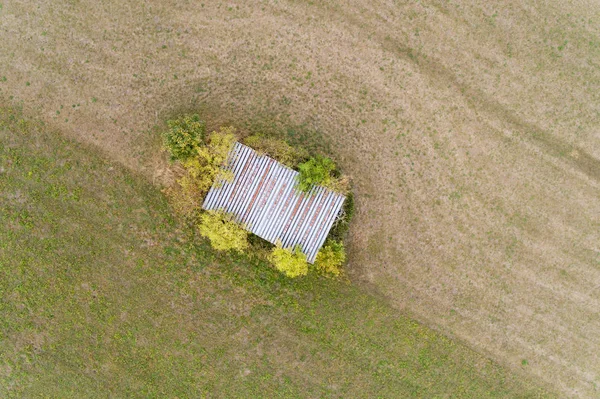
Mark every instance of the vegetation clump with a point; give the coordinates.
(183, 136)
(315, 171)
(223, 232)
(200, 160)
(207, 165)
(289, 261)
(321, 171)
(277, 149)
(199, 167)
(340, 228)
(185, 196)
(331, 258)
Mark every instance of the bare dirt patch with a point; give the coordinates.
(471, 131)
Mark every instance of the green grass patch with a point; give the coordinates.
(104, 294)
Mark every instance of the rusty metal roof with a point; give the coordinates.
(263, 197)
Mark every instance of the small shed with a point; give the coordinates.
(264, 198)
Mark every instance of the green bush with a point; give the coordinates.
(315, 171)
(320, 171)
(291, 262)
(277, 149)
(222, 231)
(331, 258)
(183, 136)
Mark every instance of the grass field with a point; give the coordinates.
(470, 129)
(103, 294)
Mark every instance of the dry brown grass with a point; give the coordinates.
(470, 130)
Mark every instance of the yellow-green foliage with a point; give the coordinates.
(319, 171)
(331, 258)
(277, 149)
(219, 145)
(222, 231)
(185, 197)
(289, 261)
(183, 136)
(200, 168)
(204, 168)
(315, 171)
(338, 184)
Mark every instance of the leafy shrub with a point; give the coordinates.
(183, 136)
(197, 173)
(291, 262)
(315, 171)
(331, 258)
(222, 231)
(219, 145)
(206, 166)
(320, 171)
(277, 149)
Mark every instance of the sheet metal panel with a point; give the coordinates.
(263, 197)
(308, 225)
(321, 233)
(320, 221)
(272, 204)
(274, 224)
(236, 164)
(265, 202)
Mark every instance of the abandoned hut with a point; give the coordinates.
(263, 197)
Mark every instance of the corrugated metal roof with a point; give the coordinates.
(263, 197)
